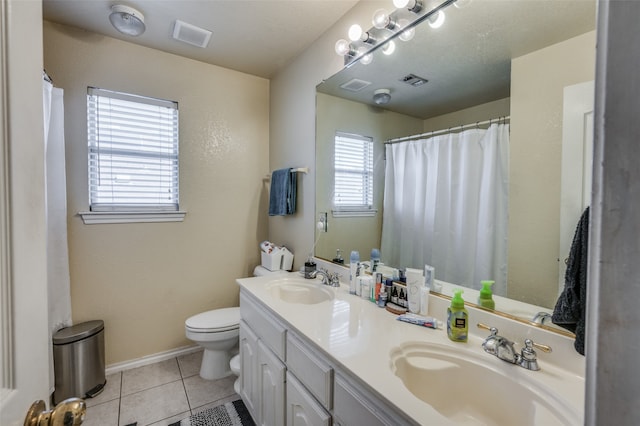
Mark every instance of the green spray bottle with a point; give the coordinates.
(457, 319)
(486, 298)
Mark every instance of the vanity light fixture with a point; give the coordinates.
(343, 48)
(365, 58)
(127, 20)
(406, 35)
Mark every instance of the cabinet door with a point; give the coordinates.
(271, 385)
(302, 408)
(248, 369)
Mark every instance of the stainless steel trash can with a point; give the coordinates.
(78, 361)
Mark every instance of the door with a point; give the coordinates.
(577, 155)
(24, 336)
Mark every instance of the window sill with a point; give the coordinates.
(95, 218)
(354, 213)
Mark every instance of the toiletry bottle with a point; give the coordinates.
(379, 285)
(354, 265)
(485, 299)
(375, 259)
(457, 319)
(338, 258)
(382, 297)
(365, 290)
(394, 295)
(309, 267)
(402, 298)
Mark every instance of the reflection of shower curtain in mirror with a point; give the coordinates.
(445, 205)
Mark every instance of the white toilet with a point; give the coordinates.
(217, 332)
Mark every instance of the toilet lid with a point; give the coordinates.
(217, 319)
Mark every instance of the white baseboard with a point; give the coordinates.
(151, 359)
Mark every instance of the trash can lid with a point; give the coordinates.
(77, 332)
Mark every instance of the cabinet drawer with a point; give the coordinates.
(302, 408)
(356, 407)
(266, 326)
(312, 371)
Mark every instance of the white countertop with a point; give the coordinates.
(359, 336)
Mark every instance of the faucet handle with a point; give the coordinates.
(493, 330)
(528, 343)
(528, 356)
(334, 279)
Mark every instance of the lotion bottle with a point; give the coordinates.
(457, 319)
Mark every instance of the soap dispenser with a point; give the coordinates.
(457, 319)
(485, 299)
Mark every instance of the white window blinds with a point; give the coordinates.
(353, 180)
(133, 152)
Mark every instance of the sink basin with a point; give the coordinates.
(300, 291)
(468, 389)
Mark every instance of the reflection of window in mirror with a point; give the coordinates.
(353, 175)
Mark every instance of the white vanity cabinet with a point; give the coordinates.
(262, 374)
(287, 380)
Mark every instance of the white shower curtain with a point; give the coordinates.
(445, 205)
(58, 281)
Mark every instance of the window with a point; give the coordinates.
(353, 176)
(132, 154)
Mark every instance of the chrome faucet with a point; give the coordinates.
(503, 348)
(330, 279)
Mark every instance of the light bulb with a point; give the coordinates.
(355, 32)
(389, 48)
(380, 19)
(436, 21)
(367, 58)
(414, 6)
(461, 3)
(406, 35)
(342, 47)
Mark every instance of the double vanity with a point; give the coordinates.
(314, 354)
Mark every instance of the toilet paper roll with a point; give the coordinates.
(267, 247)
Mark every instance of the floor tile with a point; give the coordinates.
(201, 392)
(172, 419)
(110, 392)
(215, 403)
(190, 364)
(149, 376)
(105, 414)
(153, 405)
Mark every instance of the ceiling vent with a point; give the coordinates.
(355, 85)
(413, 80)
(191, 34)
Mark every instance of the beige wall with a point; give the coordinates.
(335, 114)
(292, 131)
(482, 112)
(144, 280)
(537, 83)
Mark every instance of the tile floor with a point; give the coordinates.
(158, 394)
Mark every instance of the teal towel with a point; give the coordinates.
(282, 199)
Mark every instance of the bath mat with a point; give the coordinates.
(230, 414)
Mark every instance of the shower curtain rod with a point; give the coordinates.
(450, 129)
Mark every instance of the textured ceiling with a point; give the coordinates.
(253, 36)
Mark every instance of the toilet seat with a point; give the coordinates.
(214, 321)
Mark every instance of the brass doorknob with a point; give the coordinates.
(69, 412)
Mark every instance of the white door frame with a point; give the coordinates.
(24, 365)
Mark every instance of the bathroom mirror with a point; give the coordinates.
(489, 59)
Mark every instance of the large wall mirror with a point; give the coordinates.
(529, 64)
